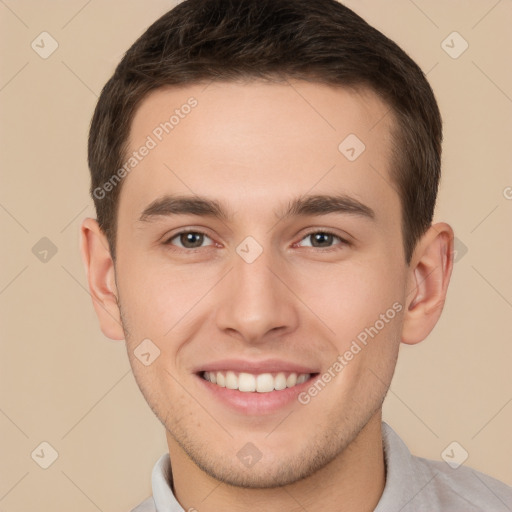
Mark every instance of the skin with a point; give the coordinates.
(253, 147)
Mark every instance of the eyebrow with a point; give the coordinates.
(319, 204)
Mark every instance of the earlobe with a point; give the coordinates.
(100, 271)
(430, 273)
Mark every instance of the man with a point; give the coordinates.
(265, 176)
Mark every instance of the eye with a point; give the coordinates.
(188, 239)
(324, 239)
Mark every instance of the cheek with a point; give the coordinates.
(158, 382)
(351, 298)
(156, 296)
(363, 305)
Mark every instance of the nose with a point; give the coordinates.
(256, 301)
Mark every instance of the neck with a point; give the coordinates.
(354, 480)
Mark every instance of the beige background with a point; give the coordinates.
(64, 383)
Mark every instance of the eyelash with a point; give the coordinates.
(198, 232)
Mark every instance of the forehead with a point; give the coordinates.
(248, 144)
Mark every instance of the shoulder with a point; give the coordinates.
(465, 486)
(417, 484)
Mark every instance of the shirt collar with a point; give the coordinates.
(403, 473)
(161, 478)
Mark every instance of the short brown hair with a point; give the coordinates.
(228, 40)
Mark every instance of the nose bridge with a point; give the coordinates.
(254, 300)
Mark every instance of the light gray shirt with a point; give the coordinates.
(413, 484)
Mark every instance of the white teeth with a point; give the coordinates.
(221, 380)
(291, 380)
(262, 383)
(231, 380)
(280, 381)
(246, 382)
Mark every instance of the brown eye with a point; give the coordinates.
(323, 239)
(188, 239)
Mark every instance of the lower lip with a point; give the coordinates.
(254, 403)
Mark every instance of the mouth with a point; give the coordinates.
(256, 383)
(254, 388)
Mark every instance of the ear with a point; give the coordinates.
(429, 275)
(99, 267)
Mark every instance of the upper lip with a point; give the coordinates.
(262, 366)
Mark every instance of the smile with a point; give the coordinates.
(259, 383)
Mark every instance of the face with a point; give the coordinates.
(295, 315)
